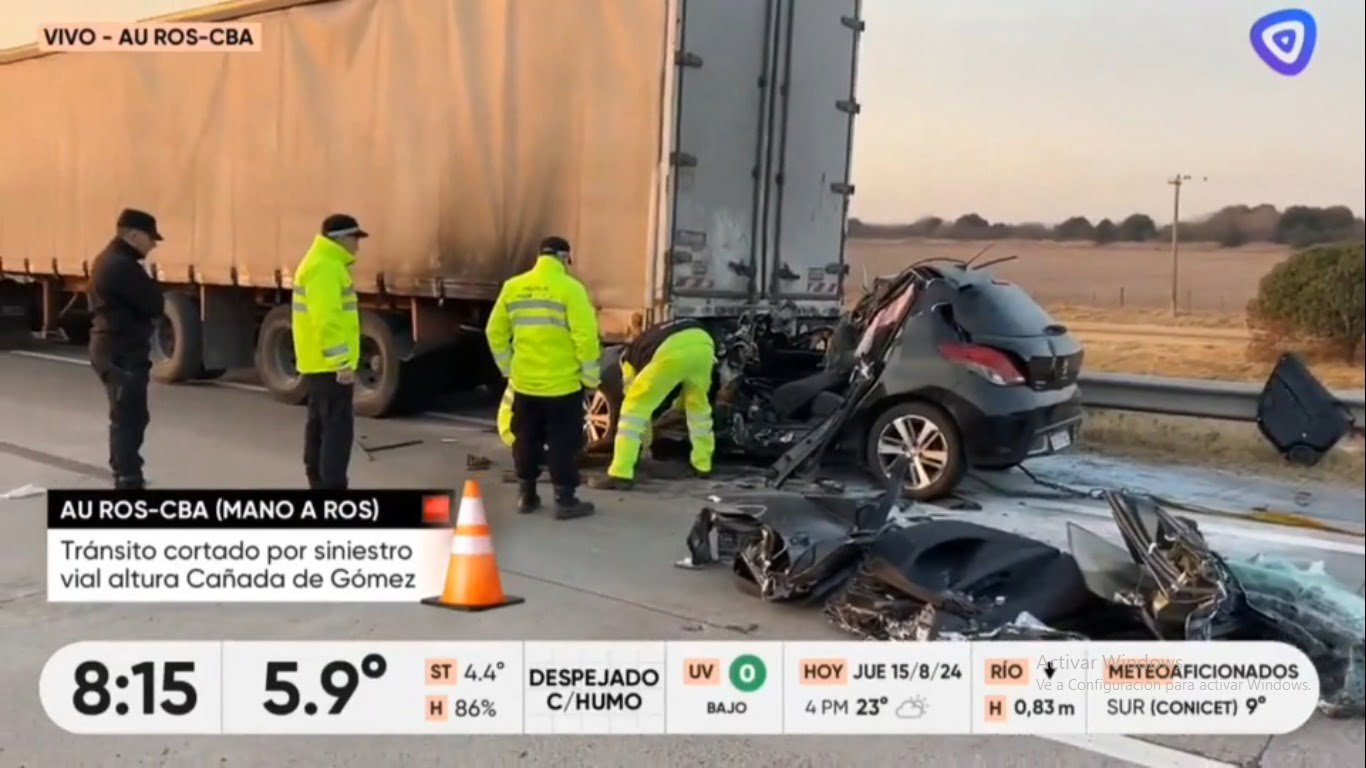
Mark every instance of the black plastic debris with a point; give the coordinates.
(1298, 415)
(958, 579)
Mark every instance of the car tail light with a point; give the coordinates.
(991, 364)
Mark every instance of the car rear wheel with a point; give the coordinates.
(929, 438)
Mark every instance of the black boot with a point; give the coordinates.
(527, 500)
(568, 506)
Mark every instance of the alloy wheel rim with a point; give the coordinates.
(923, 443)
(597, 417)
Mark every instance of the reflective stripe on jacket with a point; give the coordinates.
(543, 332)
(326, 322)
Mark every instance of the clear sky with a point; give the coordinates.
(1039, 109)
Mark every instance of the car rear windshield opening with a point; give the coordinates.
(996, 309)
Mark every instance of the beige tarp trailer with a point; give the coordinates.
(459, 132)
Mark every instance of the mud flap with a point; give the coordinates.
(1298, 415)
(16, 313)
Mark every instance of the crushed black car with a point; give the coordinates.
(929, 578)
(943, 363)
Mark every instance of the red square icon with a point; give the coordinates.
(436, 510)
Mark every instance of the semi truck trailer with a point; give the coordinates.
(696, 153)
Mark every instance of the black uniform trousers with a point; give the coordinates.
(548, 431)
(125, 378)
(329, 432)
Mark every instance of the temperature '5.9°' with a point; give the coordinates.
(339, 679)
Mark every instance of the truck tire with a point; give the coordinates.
(379, 372)
(76, 329)
(275, 357)
(178, 341)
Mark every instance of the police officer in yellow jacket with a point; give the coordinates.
(326, 327)
(669, 356)
(543, 333)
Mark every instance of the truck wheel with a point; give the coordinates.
(76, 329)
(379, 370)
(930, 436)
(275, 357)
(178, 341)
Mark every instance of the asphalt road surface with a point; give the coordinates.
(602, 578)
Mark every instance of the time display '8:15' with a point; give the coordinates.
(92, 696)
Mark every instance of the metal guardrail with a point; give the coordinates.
(1234, 401)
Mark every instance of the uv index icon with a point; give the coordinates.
(748, 673)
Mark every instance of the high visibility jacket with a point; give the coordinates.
(642, 349)
(326, 322)
(543, 332)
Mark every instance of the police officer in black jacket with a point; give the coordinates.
(125, 303)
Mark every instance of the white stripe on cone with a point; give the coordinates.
(471, 545)
(472, 512)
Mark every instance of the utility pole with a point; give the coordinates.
(1176, 182)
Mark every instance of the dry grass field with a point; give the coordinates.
(1211, 278)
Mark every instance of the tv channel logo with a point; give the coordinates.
(1285, 40)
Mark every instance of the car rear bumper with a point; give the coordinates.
(1033, 424)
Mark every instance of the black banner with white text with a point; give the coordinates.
(248, 508)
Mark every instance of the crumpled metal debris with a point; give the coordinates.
(1200, 596)
(887, 575)
(1185, 592)
(788, 546)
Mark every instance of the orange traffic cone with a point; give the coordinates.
(472, 580)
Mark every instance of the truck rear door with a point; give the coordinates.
(711, 260)
(763, 130)
(817, 66)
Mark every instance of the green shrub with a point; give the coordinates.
(1317, 295)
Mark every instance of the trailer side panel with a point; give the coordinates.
(459, 132)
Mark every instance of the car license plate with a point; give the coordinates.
(1059, 441)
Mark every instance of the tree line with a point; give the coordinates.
(1298, 226)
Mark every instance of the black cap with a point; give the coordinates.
(341, 225)
(555, 246)
(142, 221)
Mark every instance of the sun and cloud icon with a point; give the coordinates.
(912, 708)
